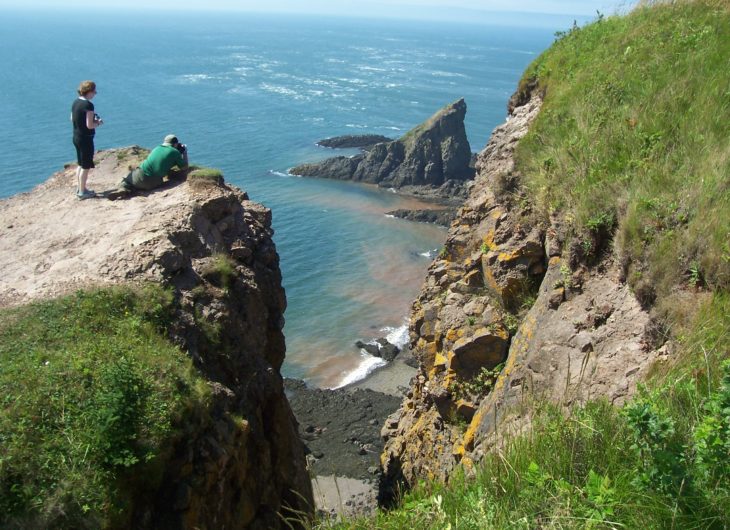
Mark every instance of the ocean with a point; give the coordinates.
(251, 94)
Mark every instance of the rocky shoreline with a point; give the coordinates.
(341, 430)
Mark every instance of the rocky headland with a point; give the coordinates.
(241, 463)
(431, 161)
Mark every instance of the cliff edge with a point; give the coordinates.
(240, 462)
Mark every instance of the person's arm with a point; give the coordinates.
(185, 160)
(91, 121)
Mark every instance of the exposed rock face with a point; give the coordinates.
(582, 337)
(240, 463)
(431, 154)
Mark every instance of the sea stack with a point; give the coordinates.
(429, 155)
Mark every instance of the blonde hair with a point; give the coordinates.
(85, 87)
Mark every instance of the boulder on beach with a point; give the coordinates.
(380, 348)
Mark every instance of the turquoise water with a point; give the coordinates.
(251, 94)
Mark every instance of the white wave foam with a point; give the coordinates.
(429, 253)
(353, 81)
(397, 336)
(394, 128)
(355, 126)
(279, 173)
(371, 69)
(192, 79)
(441, 73)
(282, 91)
(390, 216)
(367, 365)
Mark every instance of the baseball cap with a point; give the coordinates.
(170, 139)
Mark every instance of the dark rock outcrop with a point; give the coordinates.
(380, 348)
(439, 217)
(431, 154)
(360, 141)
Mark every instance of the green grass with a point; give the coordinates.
(632, 149)
(633, 140)
(91, 394)
(205, 176)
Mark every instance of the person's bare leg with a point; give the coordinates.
(82, 175)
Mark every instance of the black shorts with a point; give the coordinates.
(84, 151)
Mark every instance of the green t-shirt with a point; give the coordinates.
(160, 161)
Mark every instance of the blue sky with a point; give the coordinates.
(353, 7)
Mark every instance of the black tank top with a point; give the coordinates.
(78, 112)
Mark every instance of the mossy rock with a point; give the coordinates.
(204, 176)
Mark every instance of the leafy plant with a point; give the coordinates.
(661, 455)
(712, 436)
(119, 406)
(478, 386)
(695, 274)
(511, 322)
(601, 499)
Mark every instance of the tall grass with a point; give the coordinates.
(635, 125)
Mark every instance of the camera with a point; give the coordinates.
(182, 148)
(97, 117)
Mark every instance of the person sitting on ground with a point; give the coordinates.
(151, 173)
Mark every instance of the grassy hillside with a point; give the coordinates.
(633, 138)
(91, 391)
(631, 150)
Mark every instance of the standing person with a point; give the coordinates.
(85, 122)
